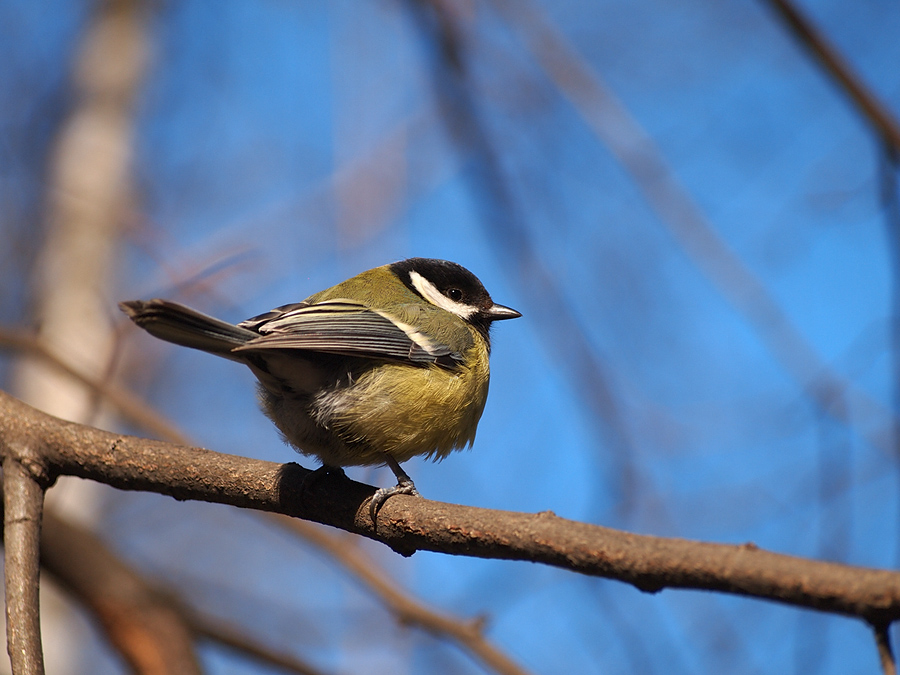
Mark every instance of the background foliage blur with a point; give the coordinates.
(698, 224)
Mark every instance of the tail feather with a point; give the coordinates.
(187, 327)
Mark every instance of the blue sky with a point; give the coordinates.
(282, 147)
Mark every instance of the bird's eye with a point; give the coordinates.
(454, 294)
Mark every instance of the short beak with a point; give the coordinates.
(499, 312)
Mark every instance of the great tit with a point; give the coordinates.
(387, 365)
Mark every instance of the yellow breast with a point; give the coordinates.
(407, 410)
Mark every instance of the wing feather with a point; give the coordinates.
(345, 328)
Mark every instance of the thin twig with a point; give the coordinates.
(129, 405)
(23, 499)
(149, 625)
(238, 641)
(408, 610)
(145, 625)
(632, 146)
(584, 365)
(890, 199)
(885, 650)
(837, 67)
(87, 200)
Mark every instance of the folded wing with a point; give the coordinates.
(347, 328)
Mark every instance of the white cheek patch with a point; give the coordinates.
(435, 297)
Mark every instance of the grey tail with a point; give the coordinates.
(187, 327)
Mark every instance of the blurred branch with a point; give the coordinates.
(614, 125)
(238, 641)
(205, 270)
(130, 406)
(408, 524)
(88, 194)
(506, 227)
(23, 498)
(87, 197)
(888, 130)
(885, 651)
(890, 198)
(839, 70)
(143, 624)
(149, 626)
(468, 634)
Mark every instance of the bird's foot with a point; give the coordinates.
(404, 486)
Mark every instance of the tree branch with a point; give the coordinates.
(408, 524)
(23, 498)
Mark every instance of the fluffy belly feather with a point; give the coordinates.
(428, 411)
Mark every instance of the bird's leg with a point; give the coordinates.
(404, 486)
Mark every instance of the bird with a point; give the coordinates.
(390, 364)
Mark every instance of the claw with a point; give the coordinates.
(382, 494)
(404, 486)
